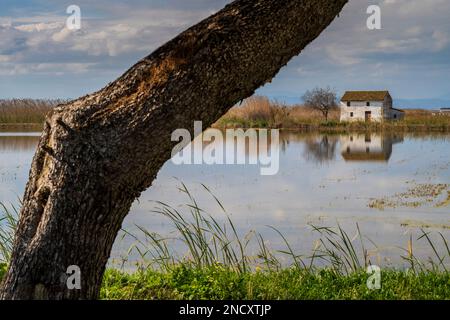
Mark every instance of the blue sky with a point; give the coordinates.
(40, 58)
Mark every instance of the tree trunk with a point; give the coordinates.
(99, 152)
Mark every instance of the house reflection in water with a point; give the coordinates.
(368, 146)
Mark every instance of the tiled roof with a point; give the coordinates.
(364, 95)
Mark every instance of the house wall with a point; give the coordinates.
(396, 115)
(387, 107)
(381, 110)
(359, 111)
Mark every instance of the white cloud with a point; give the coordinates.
(114, 34)
(4, 58)
(10, 69)
(342, 55)
(414, 8)
(61, 35)
(399, 45)
(140, 31)
(441, 40)
(38, 27)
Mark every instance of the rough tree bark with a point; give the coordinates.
(99, 152)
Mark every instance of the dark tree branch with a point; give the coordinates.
(98, 153)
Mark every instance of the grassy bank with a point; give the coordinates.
(217, 263)
(2, 270)
(297, 284)
(255, 112)
(260, 112)
(185, 282)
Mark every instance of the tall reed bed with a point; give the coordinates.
(256, 111)
(208, 241)
(262, 112)
(26, 110)
(8, 225)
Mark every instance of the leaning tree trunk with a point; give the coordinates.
(98, 153)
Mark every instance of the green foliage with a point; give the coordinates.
(261, 112)
(3, 267)
(186, 282)
(207, 241)
(8, 225)
(218, 266)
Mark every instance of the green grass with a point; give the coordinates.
(217, 264)
(261, 112)
(222, 283)
(2, 270)
(440, 124)
(219, 282)
(8, 225)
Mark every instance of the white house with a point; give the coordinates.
(368, 106)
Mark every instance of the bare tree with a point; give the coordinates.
(99, 152)
(321, 99)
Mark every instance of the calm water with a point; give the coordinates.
(323, 180)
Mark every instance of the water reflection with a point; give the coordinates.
(368, 146)
(16, 152)
(18, 143)
(321, 149)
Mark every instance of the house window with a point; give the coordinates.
(367, 104)
(348, 103)
(395, 116)
(351, 114)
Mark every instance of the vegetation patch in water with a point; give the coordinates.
(416, 196)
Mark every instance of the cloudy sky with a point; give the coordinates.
(41, 58)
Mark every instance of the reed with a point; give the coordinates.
(256, 111)
(260, 111)
(208, 242)
(217, 263)
(26, 111)
(8, 225)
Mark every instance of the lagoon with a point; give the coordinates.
(391, 185)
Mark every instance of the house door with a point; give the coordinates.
(368, 116)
